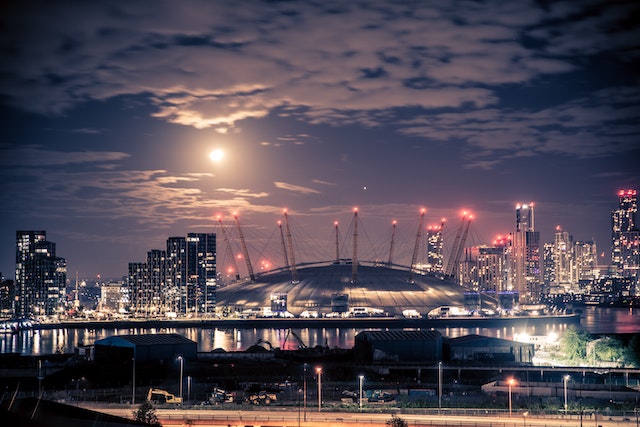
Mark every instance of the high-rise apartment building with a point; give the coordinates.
(180, 280)
(138, 289)
(7, 293)
(176, 275)
(625, 236)
(40, 275)
(548, 268)
(526, 255)
(201, 271)
(586, 257)
(435, 254)
(486, 268)
(566, 276)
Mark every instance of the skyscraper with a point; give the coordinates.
(526, 255)
(625, 253)
(40, 275)
(176, 275)
(586, 257)
(563, 260)
(178, 280)
(201, 270)
(435, 255)
(137, 283)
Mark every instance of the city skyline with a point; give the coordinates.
(110, 111)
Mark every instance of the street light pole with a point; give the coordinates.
(181, 359)
(319, 372)
(304, 392)
(133, 382)
(566, 380)
(361, 378)
(511, 382)
(439, 386)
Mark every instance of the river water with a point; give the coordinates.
(593, 320)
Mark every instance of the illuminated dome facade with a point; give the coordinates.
(376, 287)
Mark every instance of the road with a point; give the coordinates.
(290, 417)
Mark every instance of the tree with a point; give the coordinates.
(634, 350)
(573, 344)
(609, 349)
(396, 421)
(147, 414)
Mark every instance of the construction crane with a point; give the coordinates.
(458, 245)
(414, 258)
(301, 344)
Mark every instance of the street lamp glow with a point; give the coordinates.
(216, 155)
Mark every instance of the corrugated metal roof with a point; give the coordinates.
(474, 339)
(400, 335)
(146, 339)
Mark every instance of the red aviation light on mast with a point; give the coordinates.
(335, 223)
(423, 211)
(394, 222)
(501, 241)
(623, 193)
(355, 209)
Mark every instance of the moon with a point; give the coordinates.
(216, 155)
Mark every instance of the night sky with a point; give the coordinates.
(110, 110)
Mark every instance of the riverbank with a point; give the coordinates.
(366, 323)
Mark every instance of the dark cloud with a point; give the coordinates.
(208, 64)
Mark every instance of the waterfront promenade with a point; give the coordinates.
(358, 322)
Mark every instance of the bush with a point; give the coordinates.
(396, 421)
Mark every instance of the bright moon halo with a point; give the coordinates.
(216, 155)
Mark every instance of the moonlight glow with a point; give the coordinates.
(216, 155)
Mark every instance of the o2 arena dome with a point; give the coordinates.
(347, 285)
(323, 288)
